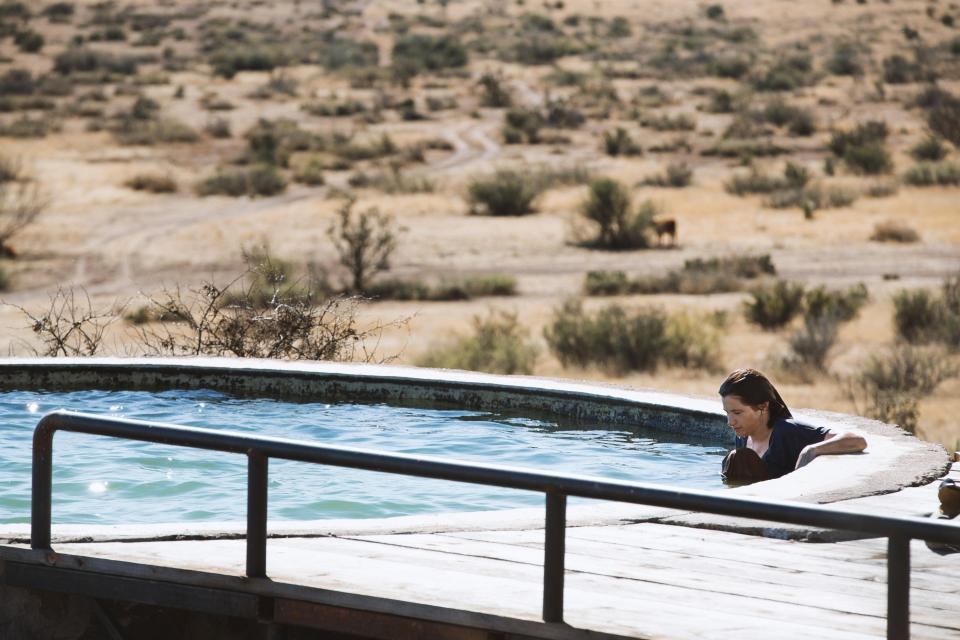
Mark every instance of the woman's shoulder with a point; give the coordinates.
(787, 427)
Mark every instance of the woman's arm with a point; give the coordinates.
(833, 444)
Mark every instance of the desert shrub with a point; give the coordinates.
(346, 53)
(889, 386)
(310, 172)
(721, 102)
(15, 9)
(619, 143)
(744, 149)
(17, 82)
(226, 183)
(561, 115)
(539, 48)
(899, 70)
(619, 28)
(263, 180)
(82, 59)
(731, 66)
(865, 133)
(607, 283)
(611, 338)
(774, 305)
(364, 242)
(59, 11)
(843, 305)
(231, 320)
(715, 12)
(698, 276)
(393, 181)
(676, 175)
(863, 149)
(29, 41)
(494, 95)
(547, 177)
(845, 60)
(349, 151)
(786, 74)
(929, 174)
(693, 340)
(882, 189)
(521, 125)
(894, 231)
(228, 60)
(930, 149)
(420, 52)
(499, 344)
(27, 127)
(218, 128)
(334, 109)
(152, 182)
(918, 315)
(799, 121)
(943, 113)
(778, 112)
(274, 141)
(666, 122)
(812, 197)
(608, 205)
(810, 345)
(505, 193)
(620, 341)
(754, 182)
(278, 84)
(70, 325)
(131, 131)
(871, 159)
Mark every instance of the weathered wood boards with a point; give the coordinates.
(639, 580)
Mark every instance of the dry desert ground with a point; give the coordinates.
(407, 105)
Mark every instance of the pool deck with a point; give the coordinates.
(654, 573)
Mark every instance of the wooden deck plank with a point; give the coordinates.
(507, 587)
(599, 602)
(862, 559)
(872, 569)
(727, 577)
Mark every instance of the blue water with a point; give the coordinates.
(106, 480)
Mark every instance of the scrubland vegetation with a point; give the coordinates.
(569, 188)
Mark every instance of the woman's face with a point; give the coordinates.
(745, 420)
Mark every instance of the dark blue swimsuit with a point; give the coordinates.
(786, 442)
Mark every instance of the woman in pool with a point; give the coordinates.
(769, 443)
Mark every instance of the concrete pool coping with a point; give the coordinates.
(894, 459)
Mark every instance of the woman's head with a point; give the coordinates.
(751, 388)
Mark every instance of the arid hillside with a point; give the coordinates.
(645, 193)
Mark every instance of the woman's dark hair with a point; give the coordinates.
(754, 389)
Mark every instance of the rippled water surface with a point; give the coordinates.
(106, 480)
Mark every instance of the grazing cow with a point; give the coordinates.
(666, 227)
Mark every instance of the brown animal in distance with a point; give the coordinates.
(667, 227)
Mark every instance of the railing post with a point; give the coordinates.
(898, 587)
(257, 468)
(40, 509)
(553, 556)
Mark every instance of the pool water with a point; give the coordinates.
(107, 480)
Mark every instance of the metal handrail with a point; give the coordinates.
(259, 449)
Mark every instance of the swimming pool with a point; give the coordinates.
(105, 480)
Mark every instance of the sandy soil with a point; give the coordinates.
(120, 244)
